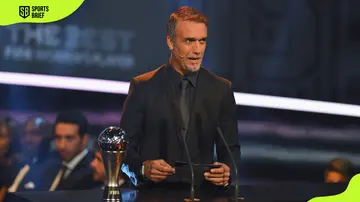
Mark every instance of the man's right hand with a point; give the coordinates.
(157, 170)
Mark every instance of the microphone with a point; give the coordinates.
(183, 135)
(236, 194)
(233, 162)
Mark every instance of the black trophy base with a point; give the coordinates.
(112, 194)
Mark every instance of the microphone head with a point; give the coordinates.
(112, 139)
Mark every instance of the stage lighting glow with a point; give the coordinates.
(121, 87)
(64, 82)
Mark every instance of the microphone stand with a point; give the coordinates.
(236, 194)
(192, 188)
(183, 138)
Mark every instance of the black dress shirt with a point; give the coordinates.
(176, 77)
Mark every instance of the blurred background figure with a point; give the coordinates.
(34, 140)
(73, 171)
(8, 164)
(70, 168)
(11, 122)
(339, 171)
(98, 167)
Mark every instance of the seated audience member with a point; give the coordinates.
(8, 164)
(11, 122)
(99, 173)
(35, 142)
(339, 171)
(73, 171)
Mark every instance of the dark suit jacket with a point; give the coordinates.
(151, 119)
(43, 175)
(8, 174)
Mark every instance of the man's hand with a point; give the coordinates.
(157, 170)
(218, 176)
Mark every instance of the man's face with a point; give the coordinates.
(30, 141)
(98, 168)
(189, 42)
(68, 141)
(334, 177)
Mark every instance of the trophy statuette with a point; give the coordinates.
(112, 147)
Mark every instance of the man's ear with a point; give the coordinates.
(169, 43)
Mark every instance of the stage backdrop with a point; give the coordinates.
(304, 49)
(113, 40)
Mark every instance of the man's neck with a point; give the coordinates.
(78, 157)
(176, 66)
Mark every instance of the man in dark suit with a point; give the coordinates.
(73, 171)
(181, 99)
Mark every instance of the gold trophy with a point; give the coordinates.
(112, 147)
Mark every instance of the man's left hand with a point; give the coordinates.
(218, 176)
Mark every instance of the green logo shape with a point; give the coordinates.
(36, 11)
(24, 11)
(351, 194)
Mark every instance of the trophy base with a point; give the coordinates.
(233, 199)
(112, 194)
(189, 200)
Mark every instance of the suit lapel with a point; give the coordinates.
(49, 175)
(76, 174)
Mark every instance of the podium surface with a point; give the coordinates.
(272, 192)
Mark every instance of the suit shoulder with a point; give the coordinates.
(147, 76)
(218, 79)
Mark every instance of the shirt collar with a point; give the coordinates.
(76, 160)
(176, 76)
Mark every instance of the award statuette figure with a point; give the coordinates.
(112, 147)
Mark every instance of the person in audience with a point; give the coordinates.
(339, 170)
(71, 139)
(8, 164)
(35, 141)
(98, 167)
(11, 122)
(72, 171)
